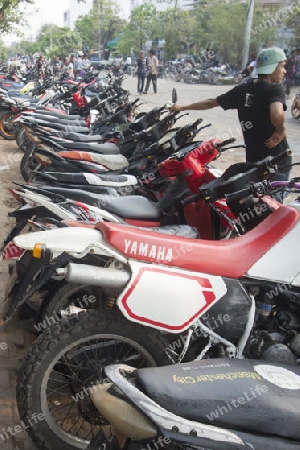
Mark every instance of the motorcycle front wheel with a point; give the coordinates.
(65, 361)
(7, 128)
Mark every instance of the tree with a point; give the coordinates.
(141, 27)
(177, 30)
(101, 24)
(12, 15)
(221, 28)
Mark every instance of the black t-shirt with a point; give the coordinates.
(253, 100)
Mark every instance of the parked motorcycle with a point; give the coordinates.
(231, 309)
(224, 404)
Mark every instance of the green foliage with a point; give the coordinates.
(102, 24)
(12, 15)
(293, 21)
(221, 28)
(142, 27)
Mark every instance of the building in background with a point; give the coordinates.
(76, 9)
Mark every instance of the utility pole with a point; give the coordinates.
(99, 28)
(249, 19)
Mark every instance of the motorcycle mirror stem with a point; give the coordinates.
(174, 96)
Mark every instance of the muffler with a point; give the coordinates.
(96, 276)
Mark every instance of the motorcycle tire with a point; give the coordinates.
(65, 361)
(7, 128)
(22, 140)
(191, 78)
(69, 294)
(217, 79)
(28, 165)
(295, 108)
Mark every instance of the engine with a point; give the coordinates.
(276, 334)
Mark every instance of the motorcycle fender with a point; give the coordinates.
(70, 240)
(23, 287)
(167, 298)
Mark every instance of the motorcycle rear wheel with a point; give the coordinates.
(69, 294)
(28, 165)
(295, 108)
(65, 361)
(7, 129)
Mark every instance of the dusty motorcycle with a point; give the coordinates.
(221, 404)
(233, 306)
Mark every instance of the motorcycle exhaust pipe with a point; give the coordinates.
(96, 276)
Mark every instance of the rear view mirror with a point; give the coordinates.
(174, 95)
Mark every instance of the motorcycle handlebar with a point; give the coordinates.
(238, 175)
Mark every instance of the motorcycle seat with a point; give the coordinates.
(84, 195)
(108, 148)
(53, 120)
(56, 113)
(228, 258)
(89, 179)
(63, 127)
(112, 162)
(131, 207)
(253, 395)
(77, 137)
(46, 114)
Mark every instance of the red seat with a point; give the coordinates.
(229, 258)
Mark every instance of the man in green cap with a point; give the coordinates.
(260, 105)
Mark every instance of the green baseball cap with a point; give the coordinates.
(268, 59)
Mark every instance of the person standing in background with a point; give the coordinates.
(290, 68)
(141, 71)
(153, 72)
(78, 65)
(69, 68)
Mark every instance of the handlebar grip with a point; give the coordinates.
(192, 199)
(277, 159)
(224, 143)
(237, 196)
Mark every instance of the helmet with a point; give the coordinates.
(80, 53)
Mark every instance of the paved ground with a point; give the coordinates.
(16, 337)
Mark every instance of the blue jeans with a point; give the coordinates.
(141, 81)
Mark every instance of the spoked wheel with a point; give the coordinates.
(68, 359)
(7, 127)
(67, 295)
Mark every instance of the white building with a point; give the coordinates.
(76, 9)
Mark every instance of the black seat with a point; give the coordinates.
(52, 119)
(87, 179)
(77, 137)
(43, 110)
(64, 127)
(248, 395)
(105, 149)
(131, 207)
